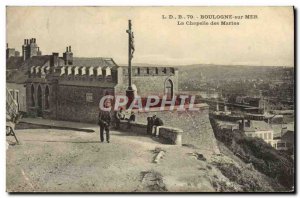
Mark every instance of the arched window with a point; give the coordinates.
(32, 96)
(47, 106)
(169, 89)
(39, 102)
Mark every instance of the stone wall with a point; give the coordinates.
(148, 84)
(196, 126)
(169, 134)
(66, 102)
(74, 105)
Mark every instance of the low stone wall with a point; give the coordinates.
(196, 126)
(170, 134)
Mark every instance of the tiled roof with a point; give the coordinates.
(36, 61)
(14, 62)
(95, 62)
(18, 72)
(16, 76)
(17, 68)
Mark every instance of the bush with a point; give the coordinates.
(263, 156)
(248, 181)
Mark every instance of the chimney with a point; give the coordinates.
(54, 59)
(39, 53)
(23, 51)
(24, 41)
(68, 56)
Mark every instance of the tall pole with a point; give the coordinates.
(130, 91)
(129, 55)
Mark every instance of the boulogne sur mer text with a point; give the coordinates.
(196, 20)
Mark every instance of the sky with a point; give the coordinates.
(101, 32)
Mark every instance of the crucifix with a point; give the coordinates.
(130, 91)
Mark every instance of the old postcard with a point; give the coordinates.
(150, 99)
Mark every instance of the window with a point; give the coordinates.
(169, 89)
(47, 106)
(269, 136)
(32, 96)
(265, 136)
(89, 97)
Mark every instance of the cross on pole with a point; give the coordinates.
(130, 91)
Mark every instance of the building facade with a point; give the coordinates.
(70, 88)
(73, 92)
(259, 129)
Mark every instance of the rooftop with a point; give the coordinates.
(94, 62)
(256, 126)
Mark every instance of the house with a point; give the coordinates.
(287, 139)
(259, 129)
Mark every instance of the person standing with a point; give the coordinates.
(104, 123)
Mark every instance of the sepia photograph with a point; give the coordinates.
(152, 99)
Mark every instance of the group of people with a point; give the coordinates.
(120, 115)
(154, 123)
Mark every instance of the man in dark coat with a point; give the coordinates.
(104, 123)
